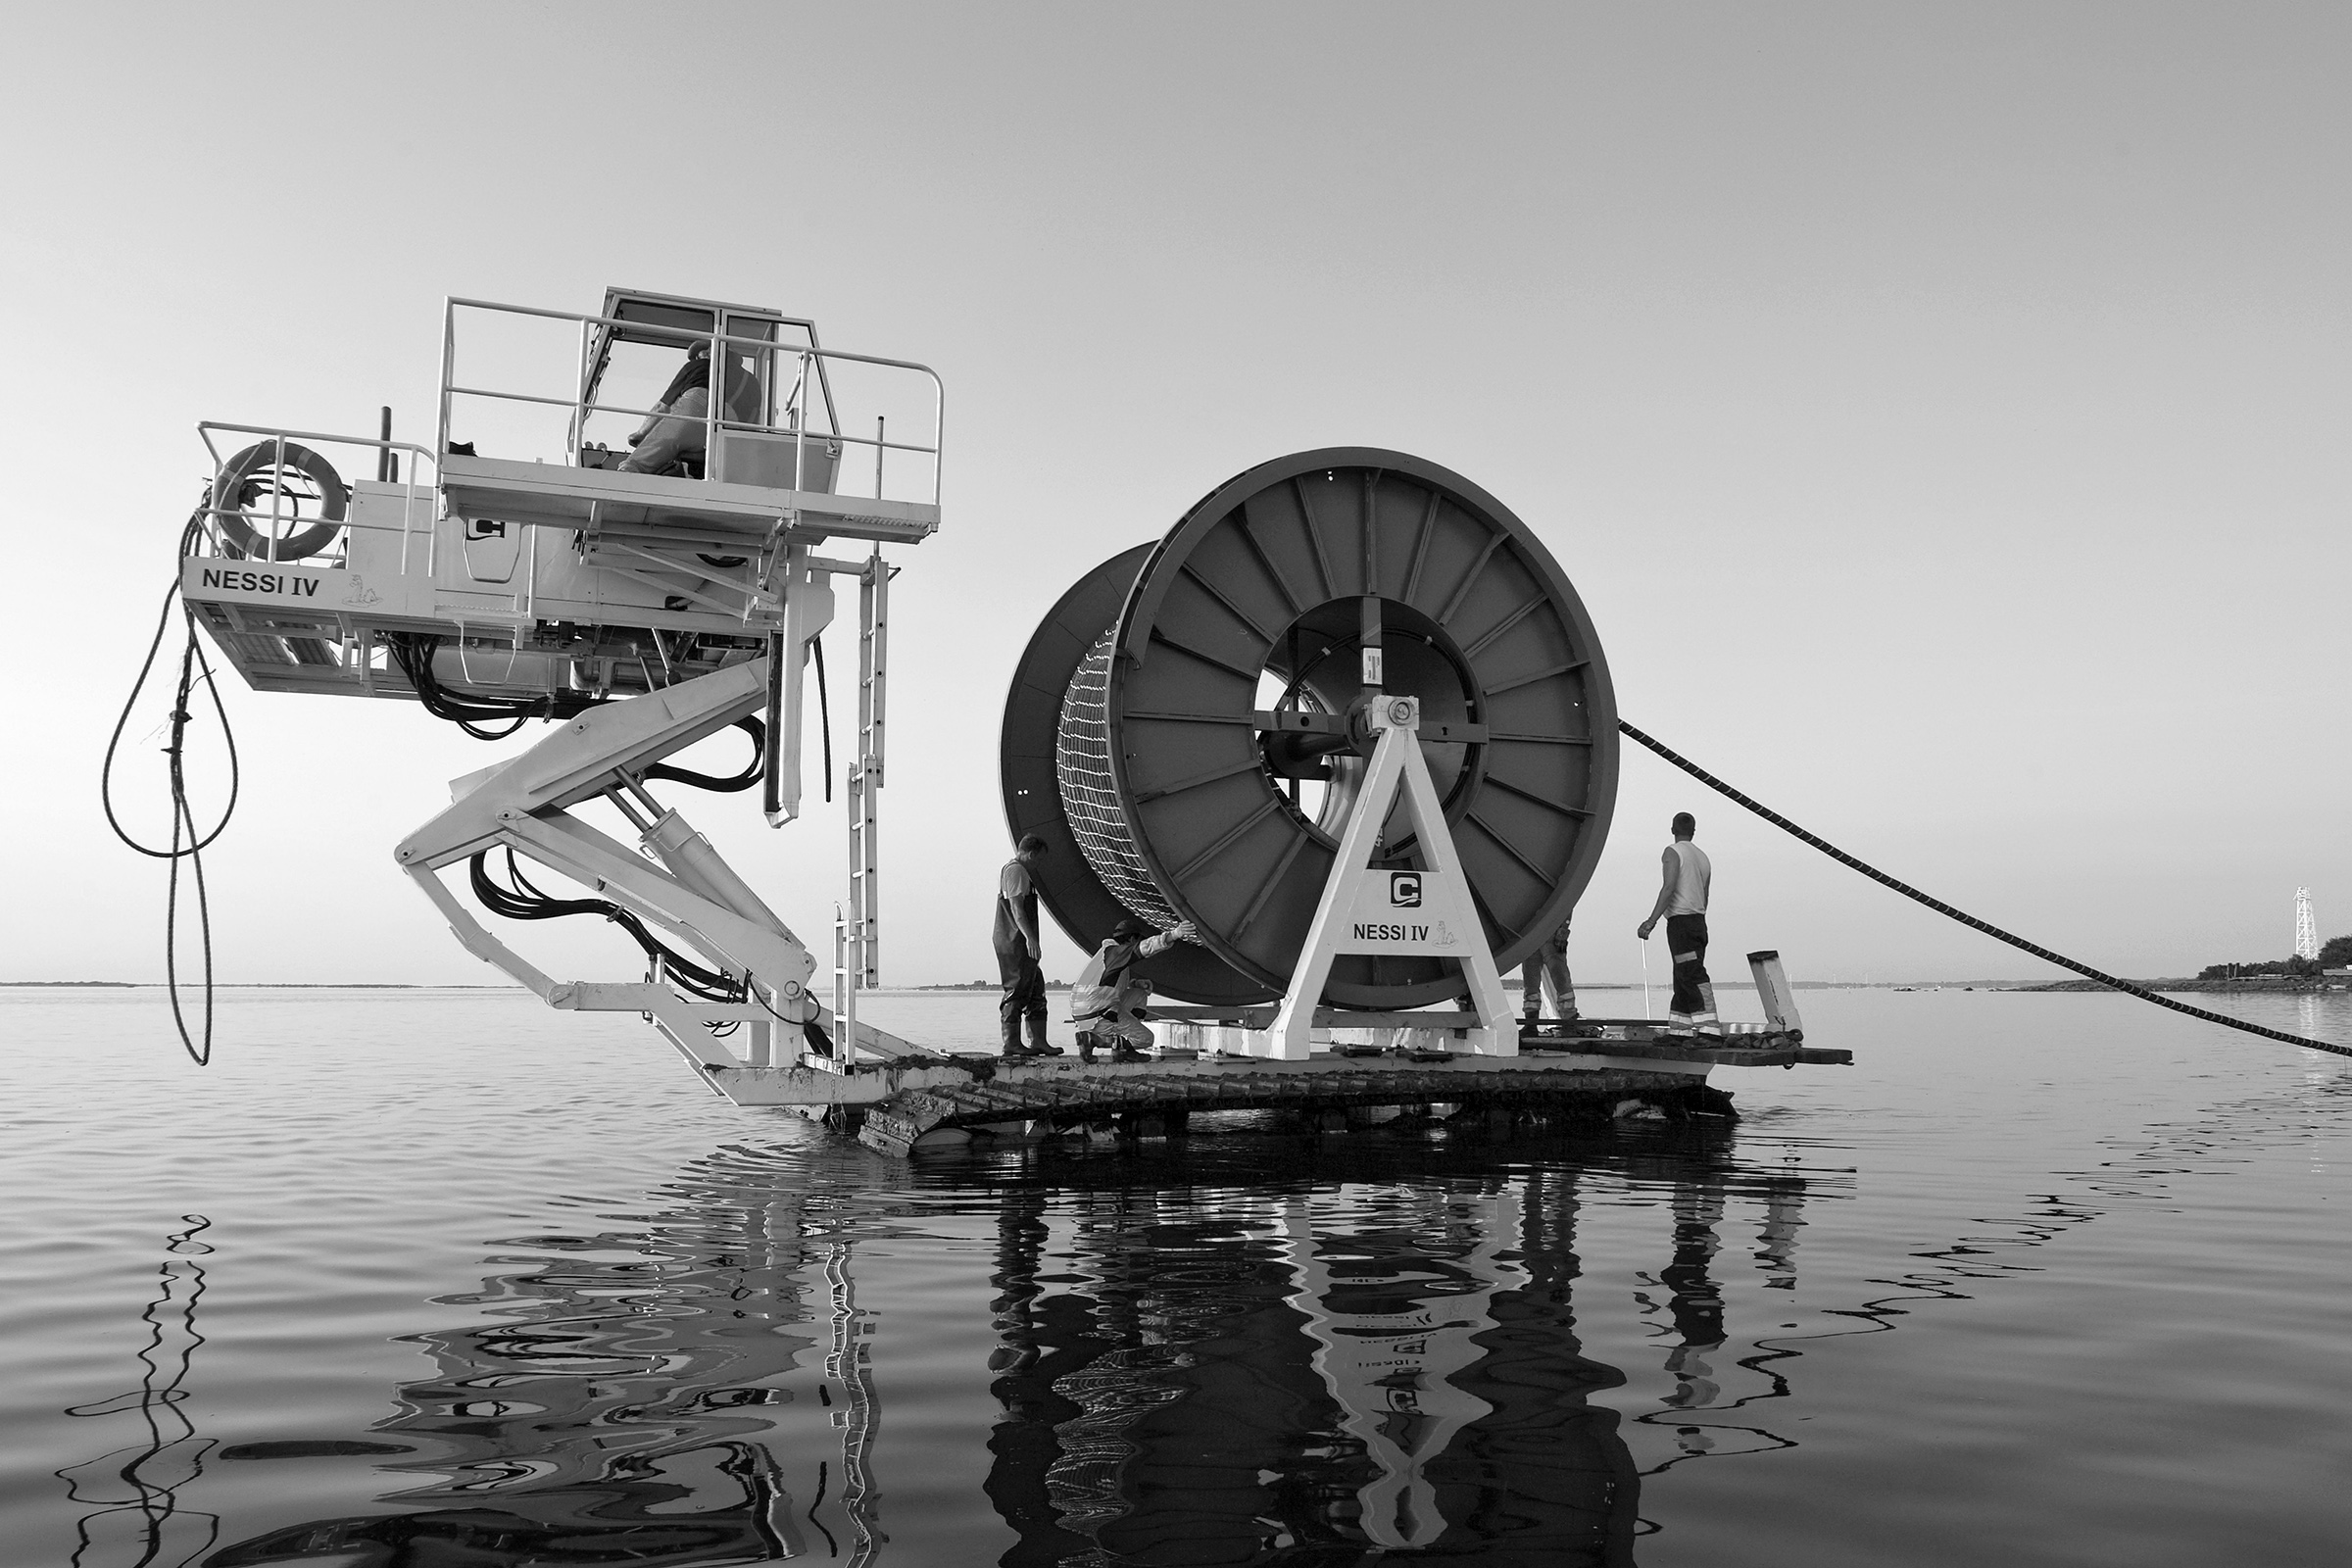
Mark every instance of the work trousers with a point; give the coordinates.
(1112, 1029)
(1694, 992)
(1544, 978)
(661, 442)
(1024, 995)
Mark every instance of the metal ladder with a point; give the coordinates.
(858, 935)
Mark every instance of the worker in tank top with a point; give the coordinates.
(1683, 906)
(1015, 938)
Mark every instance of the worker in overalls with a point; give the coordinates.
(1017, 953)
(1543, 980)
(1107, 1004)
(1683, 906)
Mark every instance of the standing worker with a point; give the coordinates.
(1544, 978)
(1683, 906)
(1017, 953)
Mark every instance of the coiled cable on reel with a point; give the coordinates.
(1090, 796)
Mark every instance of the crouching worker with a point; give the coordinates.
(1107, 1004)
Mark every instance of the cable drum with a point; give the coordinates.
(1178, 730)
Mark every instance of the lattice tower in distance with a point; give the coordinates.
(2307, 929)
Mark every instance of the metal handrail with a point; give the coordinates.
(214, 512)
(712, 425)
(749, 425)
(714, 418)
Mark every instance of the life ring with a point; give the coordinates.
(240, 484)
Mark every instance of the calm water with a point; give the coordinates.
(443, 1278)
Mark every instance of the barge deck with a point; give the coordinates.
(926, 1100)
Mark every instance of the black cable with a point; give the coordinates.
(824, 714)
(751, 724)
(189, 842)
(413, 653)
(180, 718)
(183, 813)
(525, 902)
(1990, 930)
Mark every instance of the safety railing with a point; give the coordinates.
(230, 527)
(811, 462)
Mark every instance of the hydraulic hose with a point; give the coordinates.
(523, 902)
(413, 653)
(1967, 919)
(751, 724)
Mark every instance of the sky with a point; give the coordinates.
(1940, 410)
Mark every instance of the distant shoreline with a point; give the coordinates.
(2280, 985)
(247, 985)
(2262, 984)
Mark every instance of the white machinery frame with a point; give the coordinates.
(686, 889)
(1360, 912)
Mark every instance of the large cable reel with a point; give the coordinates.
(1179, 729)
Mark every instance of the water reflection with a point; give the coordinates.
(1366, 1348)
(132, 1493)
(619, 1405)
(1382, 1361)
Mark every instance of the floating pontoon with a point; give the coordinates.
(1348, 719)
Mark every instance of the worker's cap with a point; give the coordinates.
(1031, 844)
(1129, 929)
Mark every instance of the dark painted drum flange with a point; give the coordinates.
(1067, 885)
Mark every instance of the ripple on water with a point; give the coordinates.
(2044, 1279)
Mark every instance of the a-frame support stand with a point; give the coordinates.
(1425, 913)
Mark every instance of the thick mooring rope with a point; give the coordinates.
(1967, 919)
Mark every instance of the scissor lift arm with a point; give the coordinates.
(524, 806)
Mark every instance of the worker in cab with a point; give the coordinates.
(678, 429)
(1108, 1002)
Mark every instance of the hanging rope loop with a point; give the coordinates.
(188, 841)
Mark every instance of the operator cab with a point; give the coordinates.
(691, 416)
(652, 352)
